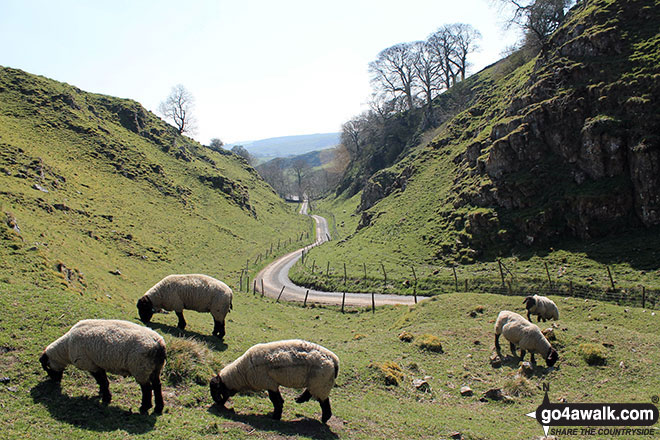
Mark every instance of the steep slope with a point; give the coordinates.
(111, 198)
(564, 146)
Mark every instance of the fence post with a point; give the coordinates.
(327, 270)
(415, 286)
(466, 285)
(305, 302)
(344, 275)
(570, 287)
(499, 263)
(373, 302)
(547, 272)
(254, 287)
(609, 273)
(313, 266)
(271, 248)
(278, 296)
(262, 287)
(364, 266)
(343, 300)
(455, 277)
(643, 297)
(240, 282)
(278, 244)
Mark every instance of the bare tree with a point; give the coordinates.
(465, 39)
(216, 144)
(393, 72)
(427, 70)
(240, 150)
(301, 171)
(538, 19)
(178, 108)
(442, 43)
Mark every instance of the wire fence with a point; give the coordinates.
(498, 279)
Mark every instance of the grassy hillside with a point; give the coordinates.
(548, 161)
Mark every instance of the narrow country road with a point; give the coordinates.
(276, 275)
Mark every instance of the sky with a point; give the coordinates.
(256, 68)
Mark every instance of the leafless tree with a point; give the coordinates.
(443, 45)
(178, 108)
(428, 72)
(301, 170)
(216, 144)
(393, 73)
(465, 39)
(538, 19)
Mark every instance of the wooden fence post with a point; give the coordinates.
(305, 302)
(262, 287)
(609, 273)
(643, 297)
(343, 300)
(373, 302)
(547, 272)
(247, 284)
(499, 263)
(327, 270)
(240, 282)
(278, 296)
(466, 285)
(455, 277)
(415, 285)
(254, 287)
(570, 287)
(313, 266)
(344, 275)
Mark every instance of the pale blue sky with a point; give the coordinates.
(257, 68)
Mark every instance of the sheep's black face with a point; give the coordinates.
(219, 391)
(552, 358)
(145, 309)
(45, 364)
(529, 301)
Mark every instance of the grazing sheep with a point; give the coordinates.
(519, 331)
(542, 306)
(293, 363)
(197, 292)
(109, 345)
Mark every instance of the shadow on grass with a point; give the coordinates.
(88, 412)
(212, 341)
(539, 370)
(304, 427)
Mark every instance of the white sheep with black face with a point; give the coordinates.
(541, 306)
(291, 363)
(198, 292)
(113, 346)
(522, 333)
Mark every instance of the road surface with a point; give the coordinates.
(276, 275)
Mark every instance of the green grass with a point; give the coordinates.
(366, 402)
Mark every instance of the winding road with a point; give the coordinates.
(276, 275)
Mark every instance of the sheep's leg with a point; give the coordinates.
(512, 346)
(104, 385)
(304, 397)
(326, 411)
(522, 354)
(158, 393)
(219, 329)
(532, 360)
(278, 403)
(182, 321)
(497, 342)
(529, 316)
(146, 397)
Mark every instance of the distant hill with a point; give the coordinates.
(289, 145)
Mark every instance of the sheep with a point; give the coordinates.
(519, 331)
(542, 306)
(192, 292)
(291, 363)
(115, 346)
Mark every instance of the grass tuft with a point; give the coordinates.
(593, 354)
(430, 343)
(188, 361)
(390, 373)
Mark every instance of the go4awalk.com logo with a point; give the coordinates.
(596, 418)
